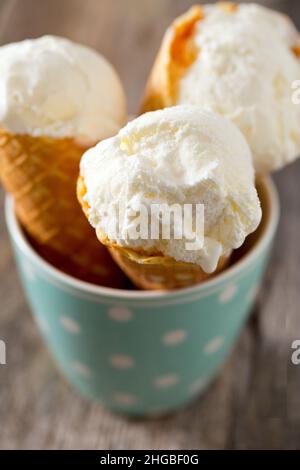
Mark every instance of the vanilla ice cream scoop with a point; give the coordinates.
(240, 61)
(54, 87)
(179, 155)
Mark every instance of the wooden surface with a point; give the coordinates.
(255, 402)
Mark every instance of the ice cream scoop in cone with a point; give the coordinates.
(59, 98)
(221, 56)
(166, 162)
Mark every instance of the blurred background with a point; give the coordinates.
(255, 401)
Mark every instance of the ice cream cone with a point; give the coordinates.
(41, 173)
(147, 191)
(151, 271)
(221, 56)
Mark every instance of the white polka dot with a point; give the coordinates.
(120, 361)
(156, 278)
(42, 323)
(228, 293)
(166, 381)
(70, 325)
(81, 369)
(197, 386)
(120, 314)
(124, 399)
(174, 337)
(253, 293)
(29, 271)
(214, 345)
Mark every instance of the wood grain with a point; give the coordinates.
(255, 401)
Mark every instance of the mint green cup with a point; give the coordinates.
(142, 352)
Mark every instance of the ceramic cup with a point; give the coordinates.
(140, 352)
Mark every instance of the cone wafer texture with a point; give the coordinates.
(41, 173)
(160, 272)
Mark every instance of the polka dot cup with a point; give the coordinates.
(141, 352)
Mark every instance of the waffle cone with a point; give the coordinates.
(41, 174)
(160, 272)
(176, 54)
